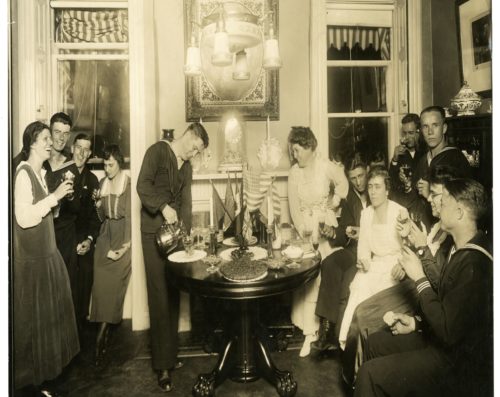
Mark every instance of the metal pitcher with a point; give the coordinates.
(168, 236)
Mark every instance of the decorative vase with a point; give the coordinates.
(466, 101)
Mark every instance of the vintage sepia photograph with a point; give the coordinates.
(249, 198)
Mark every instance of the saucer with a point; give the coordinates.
(182, 257)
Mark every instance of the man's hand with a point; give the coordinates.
(398, 151)
(411, 264)
(328, 231)
(169, 214)
(423, 188)
(352, 232)
(403, 324)
(417, 237)
(398, 272)
(83, 247)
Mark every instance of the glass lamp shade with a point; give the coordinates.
(272, 58)
(193, 62)
(221, 55)
(240, 71)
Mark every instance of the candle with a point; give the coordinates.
(268, 129)
(211, 201)
(270, 209)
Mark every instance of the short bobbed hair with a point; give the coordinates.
(30, 135)
(383, 173)
(114, 150)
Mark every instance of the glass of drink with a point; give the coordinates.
(69, 176)
(407, 170)
(187, 241)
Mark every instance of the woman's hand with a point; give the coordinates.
(65, 188)
(169, 214)
(328, 231)
(417, 237)
(403, 224)
(117, 254)
(352, 232)
(397, 272)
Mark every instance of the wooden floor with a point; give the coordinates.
(126, 371)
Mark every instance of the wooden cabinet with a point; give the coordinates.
(473, 134)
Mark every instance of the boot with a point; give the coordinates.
(326, 339)
(101, 342)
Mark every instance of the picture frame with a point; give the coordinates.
(474, 38)
(204, 97)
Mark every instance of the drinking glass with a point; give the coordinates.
(187, 241)
(198, 238)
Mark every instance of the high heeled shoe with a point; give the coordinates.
(306, 347)
(101, 343)
(164, 380)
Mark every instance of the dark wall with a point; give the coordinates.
(445, 56)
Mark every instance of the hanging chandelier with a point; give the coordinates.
(230, 31)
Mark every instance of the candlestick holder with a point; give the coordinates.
(212, 246)
(270, 233)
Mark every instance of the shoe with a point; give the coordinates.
(326, 340)
(179, 364)
(164, 380)
(101, 343)
(306, 347)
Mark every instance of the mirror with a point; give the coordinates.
(232, 75)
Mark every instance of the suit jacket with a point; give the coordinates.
(351, 208)
(87, 221)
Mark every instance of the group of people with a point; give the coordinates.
(71, 247)
(405, 289)
(405, 285)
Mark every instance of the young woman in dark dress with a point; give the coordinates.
(45, 337)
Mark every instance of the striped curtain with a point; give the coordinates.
(103, 26)
(376, 39)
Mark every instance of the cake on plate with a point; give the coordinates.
(243, 269)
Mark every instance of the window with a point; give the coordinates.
(360, 79)
(91, 72)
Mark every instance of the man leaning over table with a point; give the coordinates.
(164, 187)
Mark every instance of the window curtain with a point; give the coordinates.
(365, 86)
(81, 26)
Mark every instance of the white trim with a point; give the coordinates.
(91, 46)
(317, 73)
(415, 83)
(91, 57)
(353, 64)
(138, 124)
(359, 115)
(378, 5)
(88, 4)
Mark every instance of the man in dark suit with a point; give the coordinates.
(87, 226)
(338, 268)
(61, 166)
(447, 349)
(407, 154)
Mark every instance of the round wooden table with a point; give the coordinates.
(245, 356)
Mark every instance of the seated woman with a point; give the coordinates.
(308, 193)
(112, 259)
(379, 247)
(402, 298)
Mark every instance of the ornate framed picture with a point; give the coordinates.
(474, 27)
(240, 82)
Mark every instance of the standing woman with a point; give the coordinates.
(112, 259)
(309, 197)
(45, 334)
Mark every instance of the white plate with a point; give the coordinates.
(181, 257)
(258, 253)
(232, 242)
